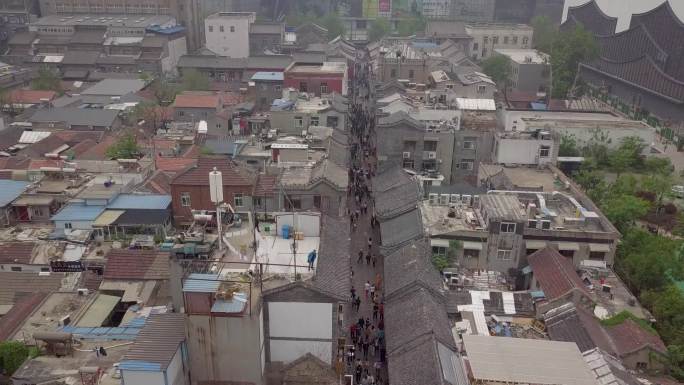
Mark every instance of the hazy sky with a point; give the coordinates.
(623, 9)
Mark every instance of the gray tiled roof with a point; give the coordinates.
(76, 116)
(410, 267)
(402, 196)
(400, 230)
(330, 172)
(80, 57)
(333, 269)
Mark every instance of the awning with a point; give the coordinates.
(99, 311)
(599, 247)
(535, 245)
(107, 218)
(574, 246)
(439, 242)
(472, 245)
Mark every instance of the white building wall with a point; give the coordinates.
(522, 151)
(288, 351)
(518, 37)
(305, 222)
(300, 320)
(174, 372)
(132, 377)
(226, 43)
(177, 48)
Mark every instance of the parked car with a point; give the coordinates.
(678, 191)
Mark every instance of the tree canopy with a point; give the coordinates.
(498, 67)
(378, 29)
(47, 80)
(124, 148)
(12, 355)
(567, 50)
(194, 80)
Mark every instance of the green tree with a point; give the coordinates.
(647, 261)
(567, 51)
(661, 166)
(150, 112)
(545, 32)
(12, 355)
(667, 307)
(624, 210)
(675, 361)
(47, 80)
(125, 148)
(568, 146)
(498, 67)
(334, 25)
(194, 80)
(378, 29)
(658, 184)
(164, 91)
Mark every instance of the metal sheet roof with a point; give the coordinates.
(134, 201)
(30, 137)
(476, 104)
(99, 311)
(517, 360)
(157, 342)
(107, 217)
(268, 76)
(236, 304)
(77, 212)
(201, 283)
(10, 190)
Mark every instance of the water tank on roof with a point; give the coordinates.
(216, 186)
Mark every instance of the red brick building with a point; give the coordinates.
(190, 188)
(318, 79)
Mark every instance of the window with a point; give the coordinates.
(67, 225)
(515, 40)
(505, 39)
(495, 40)
(467, 164)
(324, 88)
(481, 89)
(331, 121)
(597, 255)
(299, 121)
(256, 201)
(232, 28)
(484, 51)
(642, 366)
(506, 227)
(544, 151)
(211, 28)
(314, 121)
(360, 24)
(525, 40)
(408, 163)
(439, 250)
(278, 88)
(430, 145)
(45, 269)
(15, 268)
(181, 113)
(303, 87)
(504, 254)
(485, 40)
(567, 253)
(222, 29)
(468, 253)
(430, 165)
(393, 73)
(294, 203)
(317, 201)
(476, 46)
(411, 74)
(469, 144)
(239, 200)
(185, 199)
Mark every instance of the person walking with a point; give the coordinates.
(372, 291)
(358, 303)
(375, 312)
(368, 258)
(360, 258)
(311, 259)
(367, 287)
(365, 349)
(358, 371)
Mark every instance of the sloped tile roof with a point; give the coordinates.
(19, 284)
(199, 173)
(266, 185)
(629, 337)
(16, 252)
(136, 264)
(21, 310)
(158, 341)
(555, 273)
(170, 164)
(333, 270)
(409, 265)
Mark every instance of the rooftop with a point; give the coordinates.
(76, 116)
(502, 207)
(199, 173)
(516, 360)
(499, 26)
(268, 76)
(130, 21)
(325, 68)
(444, 219)
(78, 212)
(140, 201)
(137, 265)
(197, 99)
(156, 344)
(11, 190)
(115, 87)
(555, 273)
(524, 56)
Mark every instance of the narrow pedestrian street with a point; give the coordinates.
(365, 351)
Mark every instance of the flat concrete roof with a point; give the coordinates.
(524, 56)
(139, 21)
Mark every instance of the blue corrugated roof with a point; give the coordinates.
(268, 76)
(78, 212)
(135, 201)
(234, 305)
(139, 366)
(165, 31)
(10, 190)
(102, 333)
(201, 283)
(282, 105)
(538, 106)
(423, 44)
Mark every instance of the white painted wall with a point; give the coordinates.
(522, 151)
(132, 377)
(231, 44)
(174, 372)
(300, 320)
(75, 225)
(288, 351)
(177, 48)
(310, 224)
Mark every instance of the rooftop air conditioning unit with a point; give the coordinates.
(432, 155)
(433, 199)
(406, 155)
(545, 224)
